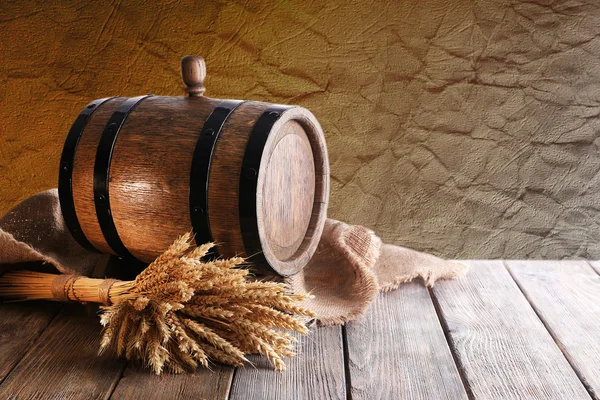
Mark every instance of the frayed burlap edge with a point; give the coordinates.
(429, 279)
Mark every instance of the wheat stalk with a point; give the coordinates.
(180, 312)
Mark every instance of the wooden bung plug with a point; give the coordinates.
(193, 72)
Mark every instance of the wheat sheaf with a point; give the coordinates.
(182, 312)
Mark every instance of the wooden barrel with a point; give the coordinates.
(253, 177)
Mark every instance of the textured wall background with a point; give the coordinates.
(467, 129)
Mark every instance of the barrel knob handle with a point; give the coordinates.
(193, 72)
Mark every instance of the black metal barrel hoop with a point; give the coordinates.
(200, 171)
(102, 175)
(248, 184)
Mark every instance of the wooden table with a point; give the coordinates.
(512, 329)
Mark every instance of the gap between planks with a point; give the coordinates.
(450, 343)
(346, 354)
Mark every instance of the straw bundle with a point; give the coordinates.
(180, 312)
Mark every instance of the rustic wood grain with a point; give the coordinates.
(64, 362)
(566, 296)
(398, 350)
(21, 324)
(317, 372)
(501, 345)
(141, 383)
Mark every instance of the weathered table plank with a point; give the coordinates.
(566, 295)
(141, 383)
(502, 347)
(20, 325)
(64, 363)
(317, 372)
(398, 350)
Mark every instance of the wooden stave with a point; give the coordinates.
(166, 129)
(83, 173)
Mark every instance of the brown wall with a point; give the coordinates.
(468, 129)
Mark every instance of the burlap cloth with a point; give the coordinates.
(351, 264)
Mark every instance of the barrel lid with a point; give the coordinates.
(292, 191)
